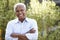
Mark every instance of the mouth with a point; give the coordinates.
(20, 15)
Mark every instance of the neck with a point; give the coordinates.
(21, 20)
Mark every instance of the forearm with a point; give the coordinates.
(19, 36)
(22, 37)
(32, 36)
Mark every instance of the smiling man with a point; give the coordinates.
(21, 28)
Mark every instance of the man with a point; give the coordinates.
(21, 28)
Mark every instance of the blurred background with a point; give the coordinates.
(45, 12)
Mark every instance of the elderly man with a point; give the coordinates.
(21, 28)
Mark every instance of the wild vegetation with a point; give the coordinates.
(47, 15)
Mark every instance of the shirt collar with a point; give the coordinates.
(17, 21)
(26, 19)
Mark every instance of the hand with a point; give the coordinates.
(22, 37)
(31, 31)
(14, 35)
(19, 36)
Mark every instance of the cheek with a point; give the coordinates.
(17, 14)
(24, 13)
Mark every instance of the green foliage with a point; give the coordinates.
(46, 14)
(22, 1)
(54, 35)
(6, 13)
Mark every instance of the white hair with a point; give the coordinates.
(15, 6)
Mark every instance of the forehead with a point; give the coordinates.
(20, 7)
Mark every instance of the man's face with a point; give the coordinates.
(20, 12)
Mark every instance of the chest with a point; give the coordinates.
(22, 27)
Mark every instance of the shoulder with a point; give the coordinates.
(32, 20)
(12, 21)
(33, 23)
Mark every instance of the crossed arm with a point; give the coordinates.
(22, 36)
(31, 34)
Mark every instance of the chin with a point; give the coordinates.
(21, 18)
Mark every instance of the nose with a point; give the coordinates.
(20, 12)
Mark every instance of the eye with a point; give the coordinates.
(17, 11)
(22, 10)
